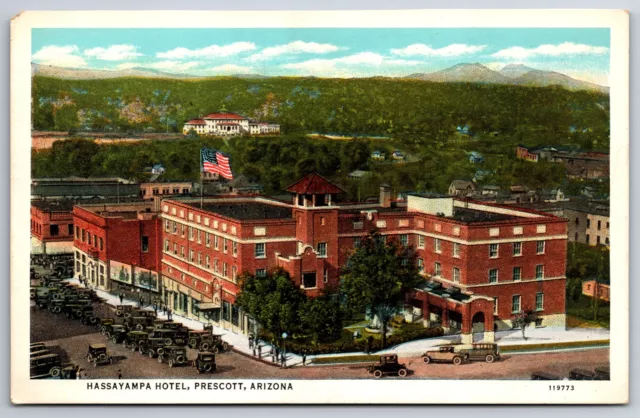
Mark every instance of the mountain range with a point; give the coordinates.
(513, 74)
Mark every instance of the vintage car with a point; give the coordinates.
(170, 336)
(177, 326)
(152, 347)
(125, 310)
(138, 323)
(174, 356)
(444, 354)
(69, 372)
(37, 346)
(40, 352)
(117, 334)
(147, 313)
(581, 374)
(488, 352)
(602, 373)
(107, 328)
(88, 317)
(387, 365)
(55, 305)
(214, 343)
(205, 362)
(544, 376)
(196, 336)
(134, 339)
(97, 354)
(46, 365)
(73, 310)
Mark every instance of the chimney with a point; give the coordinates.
(385, 195)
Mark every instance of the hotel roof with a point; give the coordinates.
(246, 210)
(314, 183)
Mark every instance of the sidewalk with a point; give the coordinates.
(238, 342)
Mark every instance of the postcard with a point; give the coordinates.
(342, 207)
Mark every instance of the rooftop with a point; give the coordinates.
(314, 183)
(472, 216)
(224, 116)
(246, 210)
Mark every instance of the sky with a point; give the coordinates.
(582, 53)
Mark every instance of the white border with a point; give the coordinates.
(322, 391)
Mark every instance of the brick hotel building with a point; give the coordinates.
(481, 262)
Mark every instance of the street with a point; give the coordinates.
(71, 339)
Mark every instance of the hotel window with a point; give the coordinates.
(322, 249)
(216, 242)
(70, 229)
(215, 265)
(234, 273)
(325, 276)
(437, 227)
(322, 221)
(234, 248)
(100, 240)
(145, 245)
(540, 271)
(199, 258)
(184, 230)
(437, 245)
(225, 269)
(541, 229)
(493, 276)
(261, 273)
(175, 248)
(404, 240)
(456, 250)
(198, 237)
(182, 251)
(437, 269)
(493, 250)
(198, 218)
(166, 225)
(77, 232)
(190, 234)
(225, 245)
(191, 256)
(207, 239)
(540, 247)
(494, 232)
(215, 224)
(166, 245)
(357, 241)
(456, 275)
(599, 225)
(260, 250)
(517, 248)
(191, 216)
(83, 237)
(207, 261)
(456, 230)
(539, 301)
(175, 227)
(515, 304)
(420, 241)
(420, 265)
(495, 306)
(517, 274)
(517, 230)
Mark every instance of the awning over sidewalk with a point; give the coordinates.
(208, 305)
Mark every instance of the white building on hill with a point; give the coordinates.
(229, 124)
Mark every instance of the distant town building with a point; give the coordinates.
(242, 185)
(157, 169)
(462, 188)
(83, 188)
(52, 226)
(398, 155)
(229, 124)
(588, 222)
(378, 156)
(592, 288)
(475, 157)
(579, 164)
(165, 188)
(358, 174)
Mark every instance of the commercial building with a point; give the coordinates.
(51, 226)
(588, 222)
(117, 246)
(229, 124)
(83, 188)
(481, 262)
(165, 188)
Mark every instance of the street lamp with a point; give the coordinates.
(284, 349)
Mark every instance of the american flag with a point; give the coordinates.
(215, 162)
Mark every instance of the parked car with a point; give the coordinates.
(444, 354)
(40, 352)
(196, 336)
(125, 310)
(174, 356)
(138, 323)
(170, 336)
(152, 347)
(488, 352)
(134, 339)
(69, 373)
(37, 346)
(388, 365)
(602, 373)
(544, 376)
(118, 334)
(46, 365)
(97, 354)
(205, 362)
(88, 317)
(581, 374)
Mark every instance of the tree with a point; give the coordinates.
(272, 300)
(322, 316)
(377, 277)
(523, 319)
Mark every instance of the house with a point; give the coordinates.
(358, 174)
(593, 288)
(462, 188)
(465, 130)
(475, 157)
(480, 175)
(490, 190)
(378, 156)
(229, 124)
(157, 169)
(398, 155)
(242, 185)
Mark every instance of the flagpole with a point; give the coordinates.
(201, 182)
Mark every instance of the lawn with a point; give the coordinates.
(583, 310)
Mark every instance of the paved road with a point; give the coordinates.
(71, 339)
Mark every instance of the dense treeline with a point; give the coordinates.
(409, 110)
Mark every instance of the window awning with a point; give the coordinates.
(208, 305)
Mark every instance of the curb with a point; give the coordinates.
(261, 360)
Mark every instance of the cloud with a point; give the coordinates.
(296, 47)
(452, 50)
(59, 56)
(113, 53)
(357, 64)
(231, 69)
(566, 48)
(127, 65)
(172, 65)
(211, 51)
